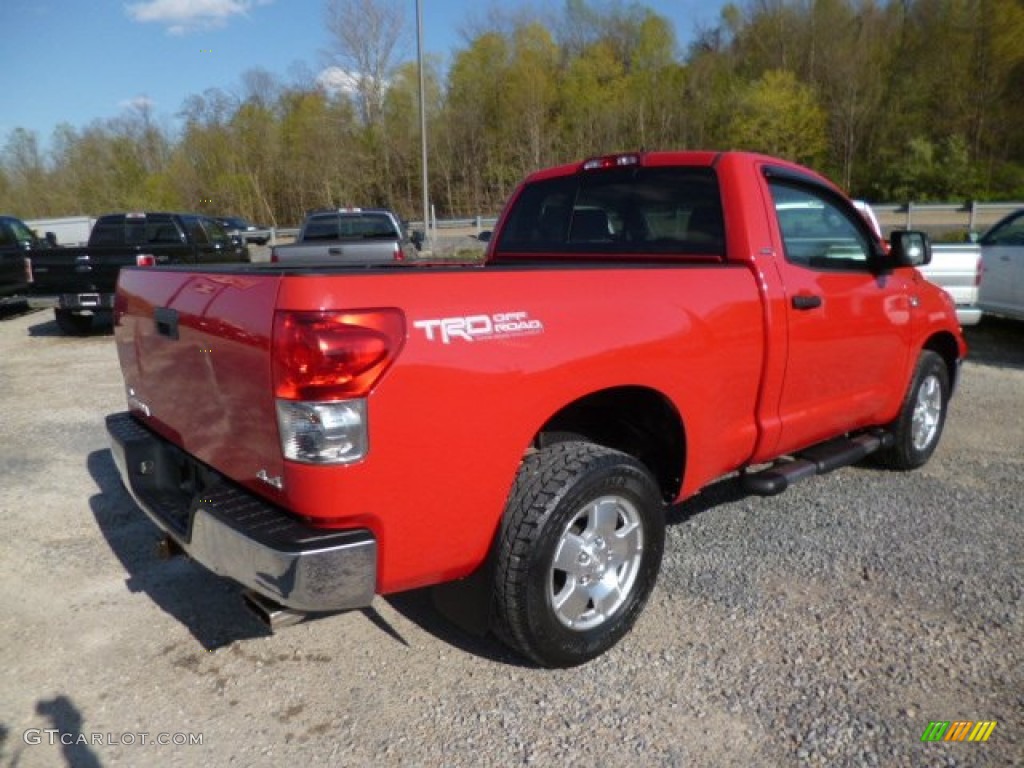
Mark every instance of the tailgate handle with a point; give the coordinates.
(335, 251)
(166, 320)
(806, 302)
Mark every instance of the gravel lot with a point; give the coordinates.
(826, 626)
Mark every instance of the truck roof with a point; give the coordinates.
(692, 158)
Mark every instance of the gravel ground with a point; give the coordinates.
(826, 626)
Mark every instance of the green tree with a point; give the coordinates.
(780, 116)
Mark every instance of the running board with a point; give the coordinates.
(816, 460)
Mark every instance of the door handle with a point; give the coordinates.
(806, 302)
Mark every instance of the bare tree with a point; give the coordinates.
(366, 36)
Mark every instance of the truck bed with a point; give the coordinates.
(472, 335)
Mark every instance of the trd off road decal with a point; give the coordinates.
(501, 325)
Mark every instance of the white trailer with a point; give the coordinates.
(69, 230)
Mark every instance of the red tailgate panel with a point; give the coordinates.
(209, 389)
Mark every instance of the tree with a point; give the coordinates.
(780, 116)
(366, 35)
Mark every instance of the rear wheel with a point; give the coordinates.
(72, 324)
(922, 416)
(579, 552)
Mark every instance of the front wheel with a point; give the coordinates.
(922, 416)
(579, 552)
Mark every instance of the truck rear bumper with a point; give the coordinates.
(86, 301)
(237, 534)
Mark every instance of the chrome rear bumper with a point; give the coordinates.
(239, 535)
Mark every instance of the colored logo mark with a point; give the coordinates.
(958, 730)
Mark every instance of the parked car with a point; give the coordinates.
(354, 235)
(244, 229)
(643, 324)
(1002, 252)
(80, 281)
(17, 243)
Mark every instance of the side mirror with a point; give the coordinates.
(909, 248)
(51, 239)
(485, 236)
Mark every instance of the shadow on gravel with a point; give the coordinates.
(420, 607)
(453, 612)
(720, 492)
(49, 328)
(65, 717)
(210, 607)
(996, 341)
(13, 308)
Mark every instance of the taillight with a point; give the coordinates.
(398, 254)
(273, 255)
(979, 268)
(611, 161)
(145, 260)
(29, 277)
(334, 355)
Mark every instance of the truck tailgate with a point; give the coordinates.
(956, 268)
(195, 353)
(335, 251)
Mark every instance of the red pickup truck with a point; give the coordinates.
(643, 324)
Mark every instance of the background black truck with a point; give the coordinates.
(17, 243)
(81, 281)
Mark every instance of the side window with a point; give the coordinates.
(216, 233)
(816, 232)
(1008, 233)
(6, 236)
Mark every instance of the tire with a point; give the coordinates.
(71, 324)
(578, 554)
(923, 414)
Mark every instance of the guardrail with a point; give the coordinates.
(933, 217)
(970, 216)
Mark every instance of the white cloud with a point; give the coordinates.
(141, 103)
(338, 80)
(183, 16)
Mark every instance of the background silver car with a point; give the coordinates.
(1002, 283)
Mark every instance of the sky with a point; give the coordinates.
(76, 61)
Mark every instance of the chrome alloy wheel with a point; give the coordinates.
(927, 415)
(596, 563)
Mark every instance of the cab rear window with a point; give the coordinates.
(636, 211)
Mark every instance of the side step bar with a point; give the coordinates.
(816, 460)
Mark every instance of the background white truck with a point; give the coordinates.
(955, 267)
